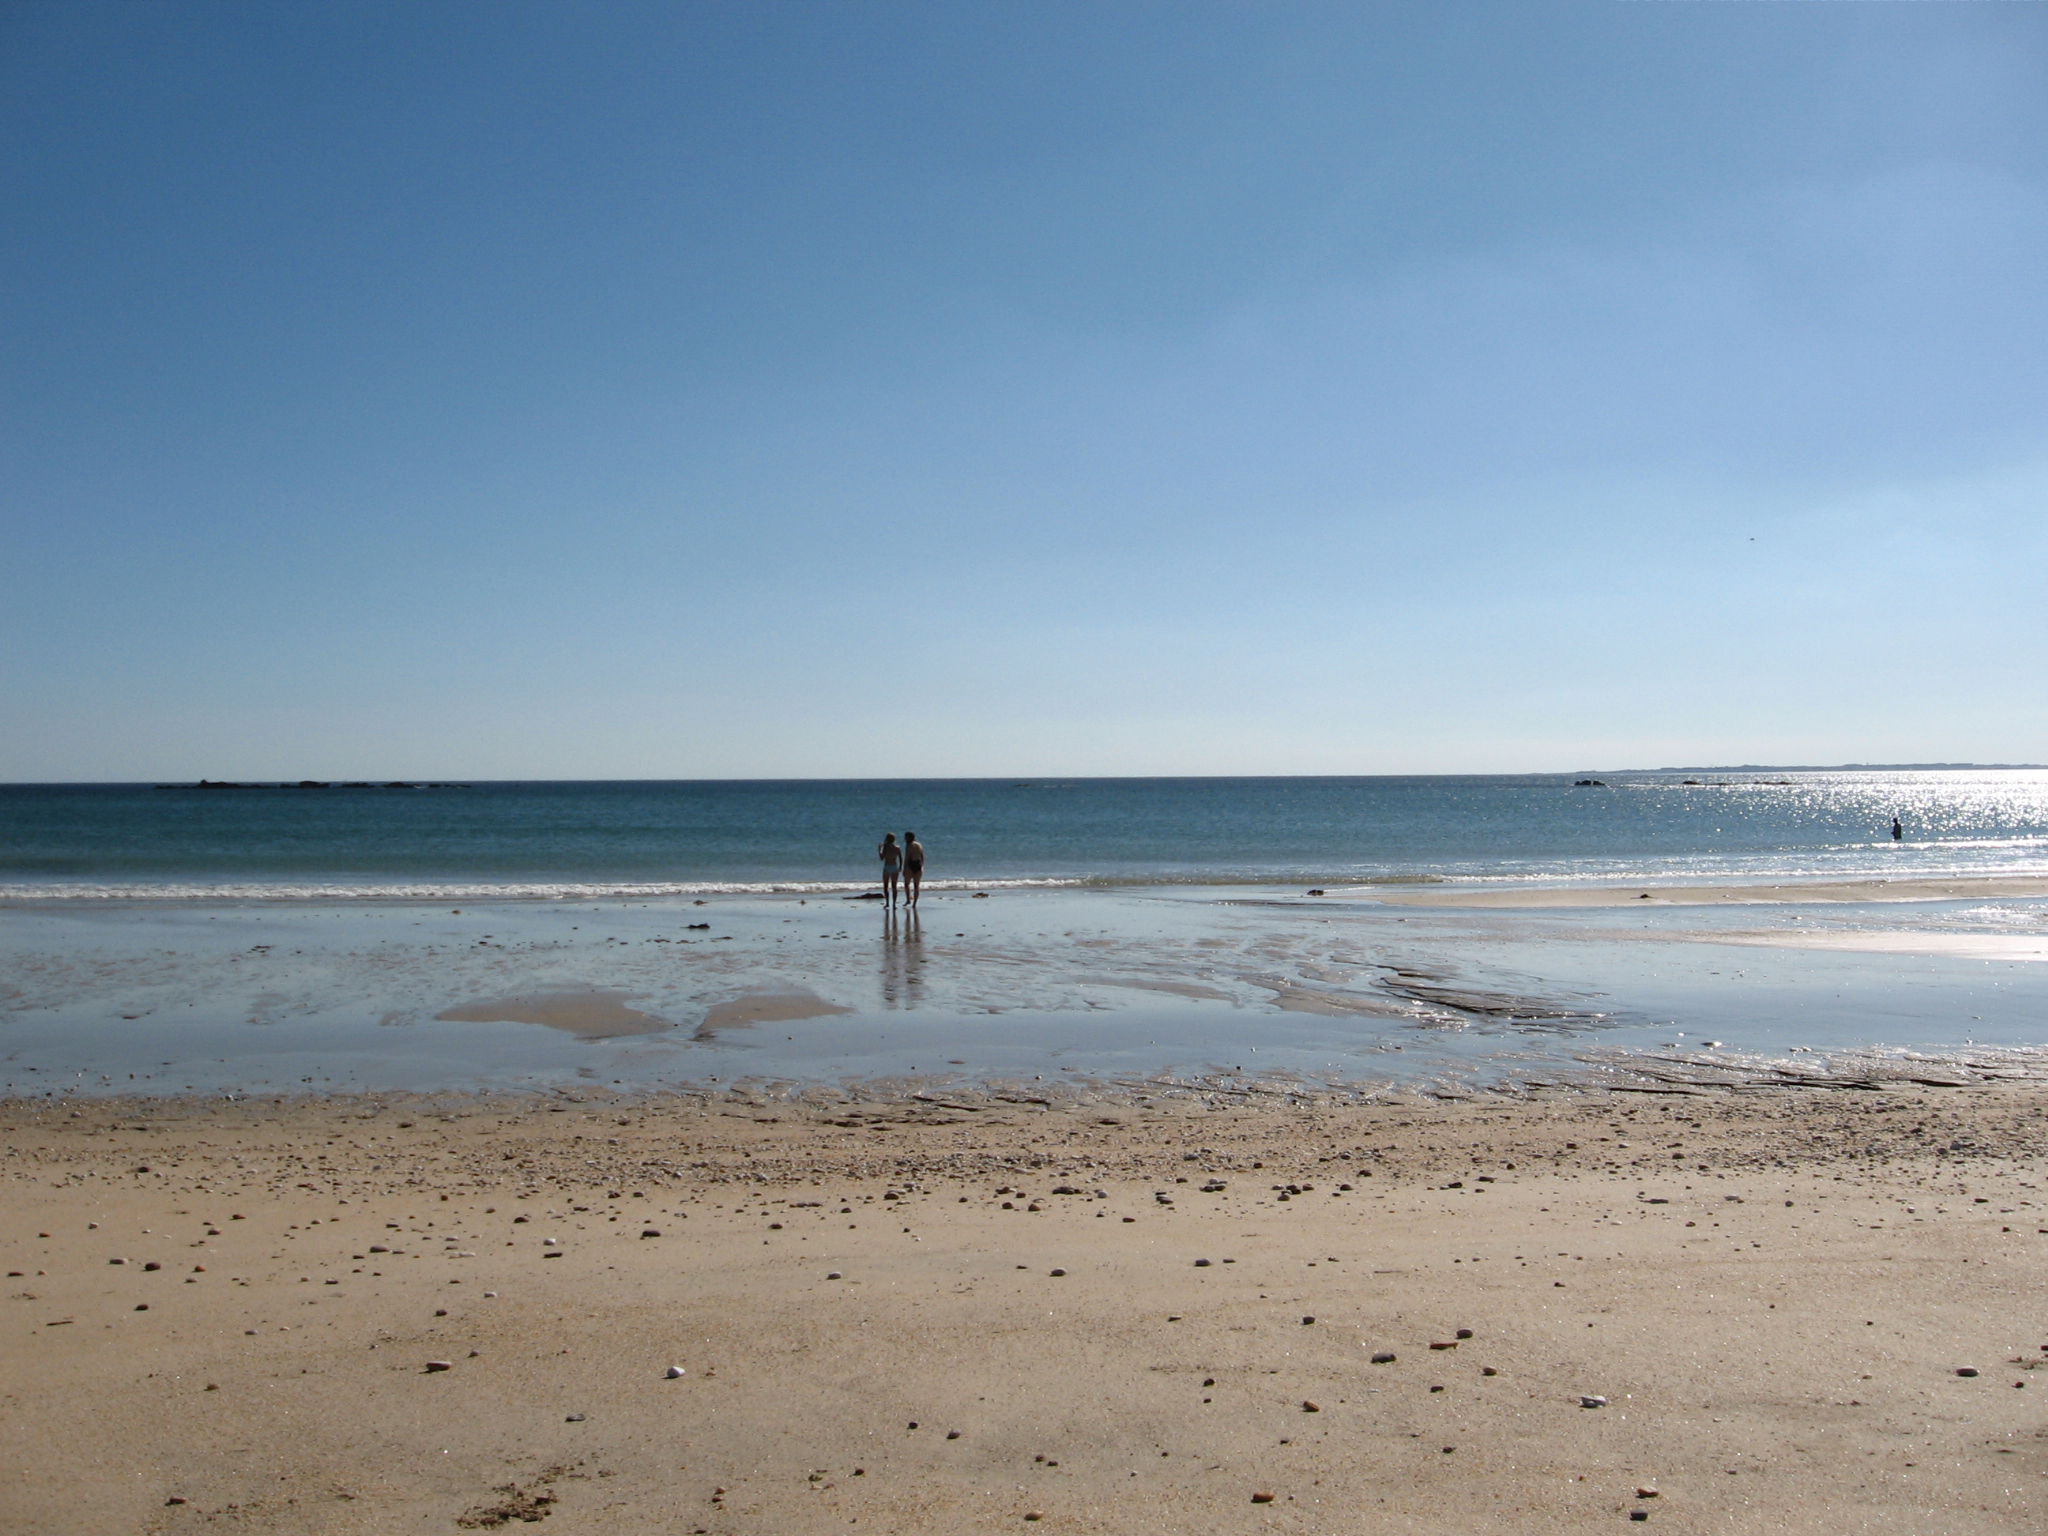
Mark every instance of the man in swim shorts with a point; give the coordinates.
(913, 868)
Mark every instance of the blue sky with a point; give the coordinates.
(676, 390)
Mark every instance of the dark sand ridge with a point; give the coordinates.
(1147, 1315)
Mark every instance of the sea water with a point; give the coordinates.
(687, 837)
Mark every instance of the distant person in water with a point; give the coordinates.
(892, 865)
(1898, 831)
(913, 868)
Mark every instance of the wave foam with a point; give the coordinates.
(1588, 874)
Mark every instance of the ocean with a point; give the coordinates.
(684, 837)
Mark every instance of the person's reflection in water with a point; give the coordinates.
(892, 960)
(913, 959)
(902, 959)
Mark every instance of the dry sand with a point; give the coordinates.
(1971, 888)
(1080, 1318)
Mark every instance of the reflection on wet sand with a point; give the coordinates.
(591, 1015)
(902, 959)
(1960, 888)
(1969, 946)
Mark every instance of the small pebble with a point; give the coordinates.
(673, 1372)
(1966, 1370)
(1058, 1272)
(1384, 1357)
(1310, 1405)
(1592, 1402)
(574, 1418)
(1262, 1497)
(834, 1275)
(440, 1365)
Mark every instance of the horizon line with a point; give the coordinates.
(462, 781)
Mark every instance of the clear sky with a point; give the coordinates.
(829, 388)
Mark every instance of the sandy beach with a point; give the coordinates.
(1119, 1212)
(1775, 1310)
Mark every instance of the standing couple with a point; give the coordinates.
(905, 859)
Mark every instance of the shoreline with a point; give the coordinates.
(352, 1315)
(1421, 888)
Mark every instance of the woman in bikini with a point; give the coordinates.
(892, 862)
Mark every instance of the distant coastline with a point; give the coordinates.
(1832, 768)
(306, 784)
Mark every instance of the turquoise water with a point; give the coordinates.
(564, 840)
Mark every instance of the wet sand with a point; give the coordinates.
(1973, 888)
(1088, 988)
(1729, 1312)
(1972, 946)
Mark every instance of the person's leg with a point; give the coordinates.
(913, 885)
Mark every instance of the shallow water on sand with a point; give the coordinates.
(1061, 987)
